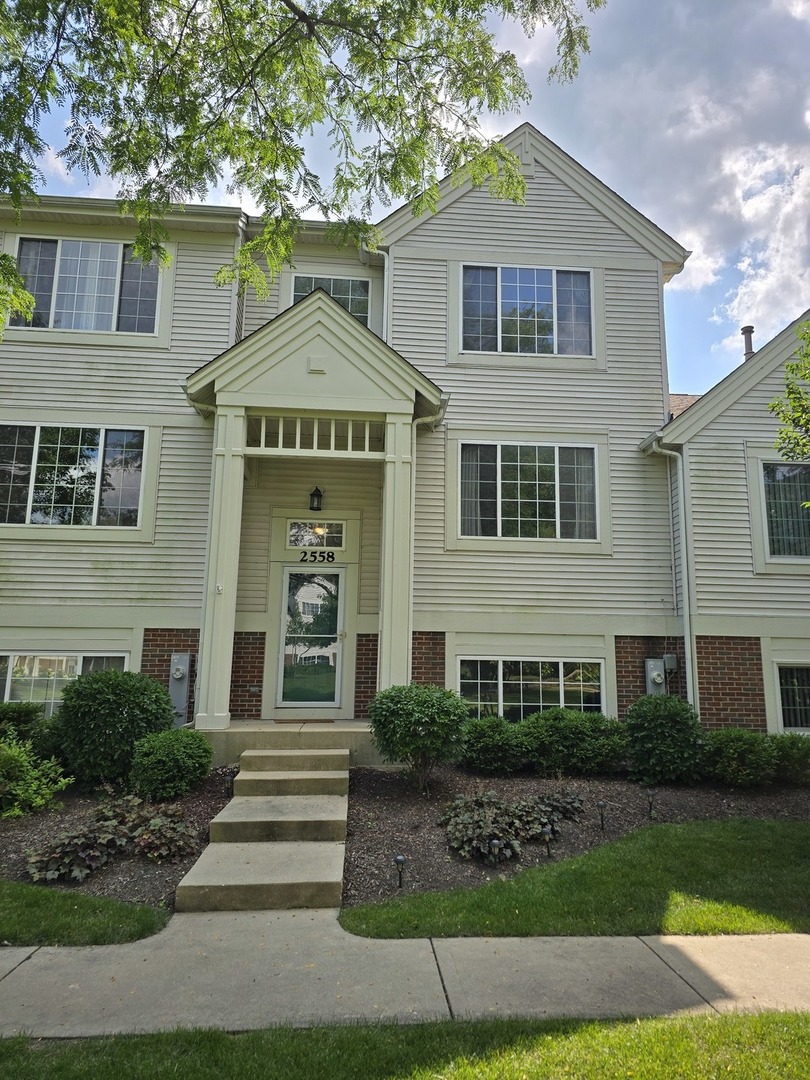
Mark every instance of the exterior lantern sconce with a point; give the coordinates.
(316, 500)
(600, 806)
(651, 793)
(545, 836)
(399, 862)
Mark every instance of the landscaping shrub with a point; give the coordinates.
(574, 743)
(738, 756)
(663, 740)
(19, 717)
(792, 758)
(103, 715)
(474, 822)
(492, 745)
(170, 763)
(26, 782)
(418, 725)
(127, 826)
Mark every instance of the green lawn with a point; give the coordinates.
(770, 1046)
(35, 915)
(729, 877)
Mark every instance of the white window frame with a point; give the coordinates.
(599, 442)
(301, 272)
(59, 653)
(159, 338)
(500, 660)
(764, 562)
(778, 665)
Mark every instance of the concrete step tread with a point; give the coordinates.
(224, 865)
(290, 774)
(252, 760)
(274, 807)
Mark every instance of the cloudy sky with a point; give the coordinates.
(697, 112)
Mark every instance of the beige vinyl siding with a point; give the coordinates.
(557, 218)
(419, 312)
(354, 485)
(118, 571)
(110, 376)
(258, 312)
(723, 539)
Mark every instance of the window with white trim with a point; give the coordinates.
(794, 691)
(526, 310)
(516, 688)
(43, 677)
(350, 293)
(787, 491)
(70, 475)
(527, 491)
(88, 285)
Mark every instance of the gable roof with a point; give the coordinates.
(314, 355)
(531, 147)
(734, 386)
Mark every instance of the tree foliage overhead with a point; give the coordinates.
(793, 410)
(169, 97)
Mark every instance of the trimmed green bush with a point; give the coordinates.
(26, 783)
(170, 763)
(103, 715)
(492, 745)
(473, 823)
(792, 758)
(20, 717)
(419, 726)
(663, 740)
(574, 743)
(739, 756)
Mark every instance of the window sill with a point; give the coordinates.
(79, 533)
(494, 545)
(787, 566)
(535, 361)
(30, 335)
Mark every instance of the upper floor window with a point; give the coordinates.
(350, 293)
(528, 492)
(787, 490)
(513, 309)
(88, 285)
(70, 475)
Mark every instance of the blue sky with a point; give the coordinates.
(697, 112)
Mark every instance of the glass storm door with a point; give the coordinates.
(312, 638)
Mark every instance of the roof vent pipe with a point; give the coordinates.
(748, 333)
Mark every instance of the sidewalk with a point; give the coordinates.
(243, 970)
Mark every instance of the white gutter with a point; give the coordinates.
(652, 445)
(432, 422)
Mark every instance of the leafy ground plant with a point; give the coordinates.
(491, 829)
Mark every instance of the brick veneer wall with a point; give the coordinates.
(247, 675)
(158, 646)
(631, 652)
(428, 657)
(732, 691)
(365, 674)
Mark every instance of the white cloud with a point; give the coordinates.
(54, 167)
(799, 9)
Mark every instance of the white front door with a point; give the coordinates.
(311, 637)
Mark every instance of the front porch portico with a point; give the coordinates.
(312, 388)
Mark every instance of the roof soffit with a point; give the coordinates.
(275, 361)
(532, 147)
(734, 386)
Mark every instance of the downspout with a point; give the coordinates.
(432, 422)
(690, 666)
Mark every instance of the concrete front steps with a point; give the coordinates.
(280, 842)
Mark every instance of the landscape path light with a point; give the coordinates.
(600, 806)
(399, 861)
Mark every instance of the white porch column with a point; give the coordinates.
(222, 569)
(394, 646)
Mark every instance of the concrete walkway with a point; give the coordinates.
(243, 970)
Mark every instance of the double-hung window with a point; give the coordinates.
(350, 293)
(787, 489)
(88, 285)
(525, 310)
(794, 691)
(528, 492)
(516, 688)
(70, 475)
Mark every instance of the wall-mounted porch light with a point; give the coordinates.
(316, 500)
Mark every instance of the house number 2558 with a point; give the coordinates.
(317, 556)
